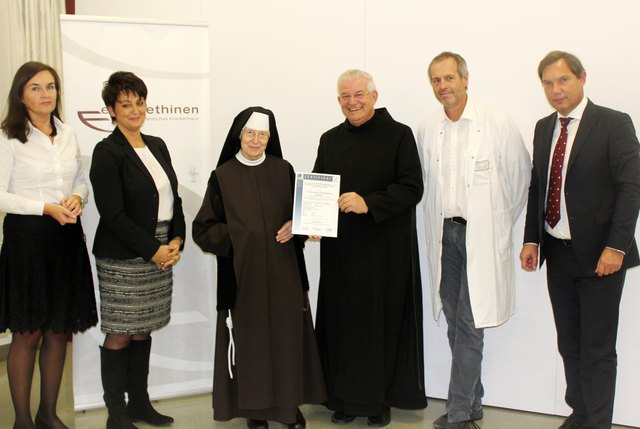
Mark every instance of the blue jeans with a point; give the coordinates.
(465, 340)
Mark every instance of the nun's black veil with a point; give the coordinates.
(232, 142)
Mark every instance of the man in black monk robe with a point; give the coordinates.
(369, 317)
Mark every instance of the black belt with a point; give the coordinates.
(457, 219)
(567, 243)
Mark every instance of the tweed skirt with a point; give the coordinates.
(135, 296)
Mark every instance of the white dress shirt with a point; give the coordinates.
(39, 171)
(561, 230)
(454, 154)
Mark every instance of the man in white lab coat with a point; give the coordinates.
(476, 171)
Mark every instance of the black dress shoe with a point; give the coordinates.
(467, 424)
(300, 423)
(381, 420)
(573, 422)
(257, 424)
(342, 418)
(441, 422)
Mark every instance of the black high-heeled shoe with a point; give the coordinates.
(41, 424)
(17, 426)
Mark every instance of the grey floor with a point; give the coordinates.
(195, 412)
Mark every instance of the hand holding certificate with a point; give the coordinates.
(315, 204)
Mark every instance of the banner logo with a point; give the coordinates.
(160, 112)
(84, 117)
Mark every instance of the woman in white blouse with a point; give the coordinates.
(46, 287)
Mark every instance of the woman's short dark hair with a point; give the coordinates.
(16, 124)
(122, 82)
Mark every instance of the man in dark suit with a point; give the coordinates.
(581, 216)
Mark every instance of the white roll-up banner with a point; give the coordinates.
(173, 60)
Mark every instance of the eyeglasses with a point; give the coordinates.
(359, 96)
(250, 134)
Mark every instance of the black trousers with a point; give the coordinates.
(585, 309)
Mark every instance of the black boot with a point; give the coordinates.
(139, 406)
(114, 380)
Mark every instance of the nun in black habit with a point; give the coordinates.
(266, 357)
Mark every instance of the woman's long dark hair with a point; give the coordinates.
(16, 124)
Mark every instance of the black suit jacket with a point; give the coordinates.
(127, 198)
(602, 186)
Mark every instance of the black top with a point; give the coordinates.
(127, 198)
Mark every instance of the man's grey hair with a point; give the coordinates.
(357, 74)
(463, 71)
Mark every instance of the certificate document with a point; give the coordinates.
(315, 204)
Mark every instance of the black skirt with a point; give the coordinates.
(45, 276)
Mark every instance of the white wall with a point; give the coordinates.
(287, 54)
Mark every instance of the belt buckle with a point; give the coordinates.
(566, 243)
(458, 220)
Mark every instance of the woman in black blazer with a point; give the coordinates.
(139, 238)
